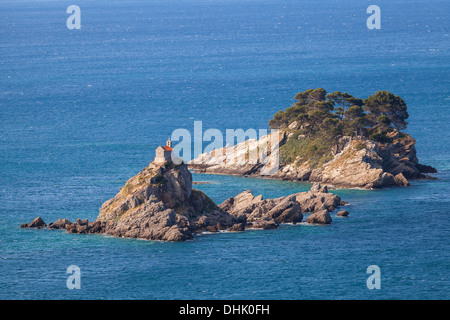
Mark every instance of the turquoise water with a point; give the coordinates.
(81, 111)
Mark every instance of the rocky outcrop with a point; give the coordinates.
(317, 187)
(401, 180)
(259, 213)
(251, 157)
(59, 224)
(238, 227)
(36, 223)
(160, 204)
(343, 213)
(320, 217)
(358, 165)
(156, 204)
(355, 163)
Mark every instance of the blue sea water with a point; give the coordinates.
(81, 111)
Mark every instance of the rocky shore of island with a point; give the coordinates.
(160, 204)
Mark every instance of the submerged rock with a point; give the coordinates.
(320, 217)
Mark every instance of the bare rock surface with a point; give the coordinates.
(355, 163)
(401, 180)
(320, 217)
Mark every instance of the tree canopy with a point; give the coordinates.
(336, 114)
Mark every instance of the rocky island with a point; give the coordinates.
(160, 204)
(335, 139)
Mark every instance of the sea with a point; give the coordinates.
(82, 111)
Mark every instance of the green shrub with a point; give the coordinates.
(380, 137)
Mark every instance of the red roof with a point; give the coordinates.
(167, 148)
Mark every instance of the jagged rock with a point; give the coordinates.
(78, 227)
(425, 169)
(157, 204)
(356, 163)
(401, 180)
(160, 204)
(292, 214)
(311, 202)
(317, 187)
(59, 224)
(288, 209)
(320, 217)
(265, 224)
(177, 234)
(220, 226)
(293, 125)
(303, 174)
(343, 213)
(341, 144)
(84, 222)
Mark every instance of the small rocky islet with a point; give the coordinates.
(159, 203)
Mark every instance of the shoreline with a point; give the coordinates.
(330, 186)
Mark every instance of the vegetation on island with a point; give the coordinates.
(318, 119)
